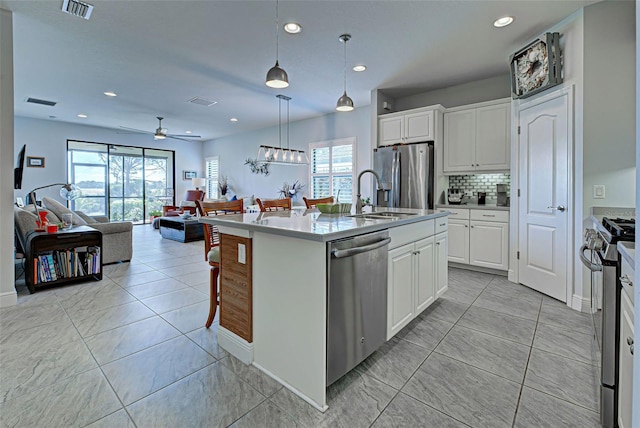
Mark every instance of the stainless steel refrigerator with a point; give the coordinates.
(406, 172)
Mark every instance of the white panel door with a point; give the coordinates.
(418, 127)
(442, 265)
(459, 140)
(543, 204)
(492, 137)
(459, 241)
(425, 274)
(489, 244)
(400, 306)
(390, 130)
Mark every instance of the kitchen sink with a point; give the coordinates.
(384, 215)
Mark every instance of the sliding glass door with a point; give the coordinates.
(121, 182)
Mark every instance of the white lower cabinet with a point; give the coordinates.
(417, 274)
(489, 244)
(626, 349)
(479, 237)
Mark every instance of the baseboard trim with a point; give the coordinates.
(290, 388)
(235, 345)
(580, 303)
(9, 298)
(478, 268)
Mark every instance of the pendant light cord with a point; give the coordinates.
(280, 122)
(277, 28)
(287, 124)
(345, 65)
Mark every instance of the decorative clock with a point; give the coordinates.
(536, 67)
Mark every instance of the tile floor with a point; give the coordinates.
(132, 351)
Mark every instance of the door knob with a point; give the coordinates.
(559, 208)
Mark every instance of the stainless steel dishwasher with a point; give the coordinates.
(357, 300)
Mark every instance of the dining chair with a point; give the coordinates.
(212, 245)
(283, 204)
(310, 203)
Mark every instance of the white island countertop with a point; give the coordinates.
(312, 225)
(628, 251)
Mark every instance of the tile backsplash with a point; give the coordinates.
(480, 183)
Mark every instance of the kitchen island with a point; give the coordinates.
(285, 257)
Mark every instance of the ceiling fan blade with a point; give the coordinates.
(136, 130)
(178, 138)
(184, 136)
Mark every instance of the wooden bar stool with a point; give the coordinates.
(212, 246)
(310, 203)
(274, 204)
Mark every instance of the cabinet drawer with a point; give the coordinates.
(441, 224)
(402, 235)
(456, 213)
(490, 215)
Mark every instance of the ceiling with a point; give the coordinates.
(157, 55)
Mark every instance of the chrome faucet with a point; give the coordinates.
(359, 196)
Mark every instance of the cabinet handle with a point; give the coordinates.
(466, 225)
(471, 227)
(488, 215)
(625, 280)
(630, 343)
(443, 224)
(437, 243)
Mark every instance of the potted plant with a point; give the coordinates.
(153, 214)
(223, 186)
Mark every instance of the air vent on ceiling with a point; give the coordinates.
(202, 102)
(77, 8)
(43, 102)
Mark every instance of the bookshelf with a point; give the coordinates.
(63, 257)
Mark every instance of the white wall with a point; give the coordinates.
(235, 149)
(477, 91)
(8, 295)
(48, 138)
(609, 103)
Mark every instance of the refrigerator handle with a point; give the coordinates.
(395, 180)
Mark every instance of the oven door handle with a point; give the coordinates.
(585, 261)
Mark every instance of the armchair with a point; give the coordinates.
(188, 204)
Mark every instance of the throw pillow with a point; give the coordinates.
(234, 198)
(51, 217)
(58, 209)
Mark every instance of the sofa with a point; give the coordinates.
(117, 236)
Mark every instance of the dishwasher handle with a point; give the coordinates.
(338, 254)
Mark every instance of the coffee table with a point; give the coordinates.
(181, 230)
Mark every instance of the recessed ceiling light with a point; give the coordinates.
(110, 94)
(503, 22)
(360, 67)
(82, 116)
(234, 119)
(188, 132)
(292, 28)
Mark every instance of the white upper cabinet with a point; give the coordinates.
(410, 126)
(477, 138)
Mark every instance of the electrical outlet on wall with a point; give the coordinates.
(598, 191)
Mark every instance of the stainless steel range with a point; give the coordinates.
(603, 260)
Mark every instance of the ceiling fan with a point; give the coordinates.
(161, 133)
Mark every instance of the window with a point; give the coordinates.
(121, 182)
(331, 169)
(212, 174)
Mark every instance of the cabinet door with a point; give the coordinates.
(418, 127)
(458, 241)
(493, 137)
(459, 141)
(441, 264)
(425, 274)
(625, 378)
(390, 130)
(489, 244)
(400, 306)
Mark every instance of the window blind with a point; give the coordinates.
(212, 174)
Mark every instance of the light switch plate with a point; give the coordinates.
(242, 253)
(598, 191)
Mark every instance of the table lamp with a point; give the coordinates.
(199, 182)
(68, 191)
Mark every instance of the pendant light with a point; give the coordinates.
(276, 76)
(344, 102)
(282, 155)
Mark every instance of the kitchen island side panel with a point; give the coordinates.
(289, 312)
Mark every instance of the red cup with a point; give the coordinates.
(52, 228)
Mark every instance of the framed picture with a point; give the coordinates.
(188, 175)
(536, 67)
(35, 162)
